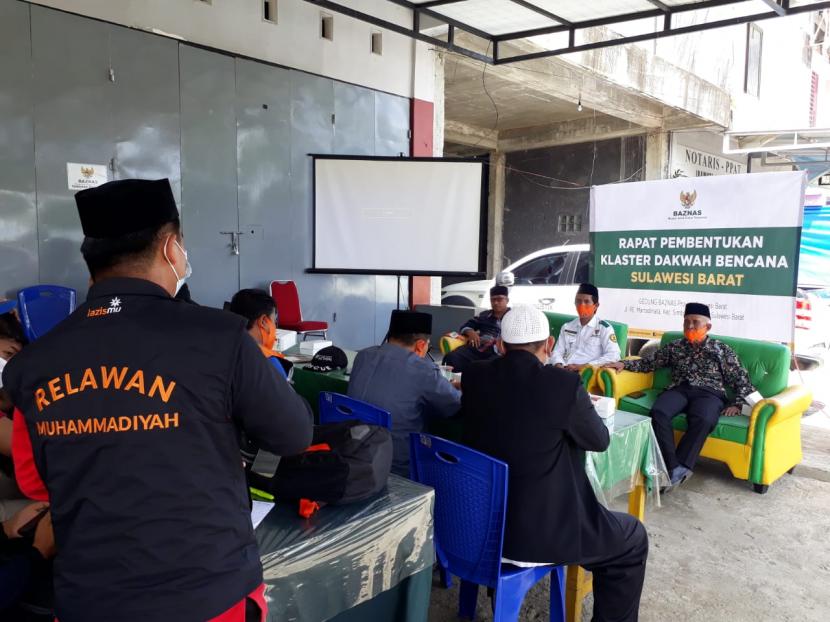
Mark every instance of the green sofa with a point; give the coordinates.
(760, 447)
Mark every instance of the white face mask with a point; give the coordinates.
(188, 271)
(2, 365)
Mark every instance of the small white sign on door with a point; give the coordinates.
(83, 176)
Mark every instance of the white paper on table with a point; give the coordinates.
(259, 511)
(605, 406)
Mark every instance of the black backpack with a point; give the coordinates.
(347, 461)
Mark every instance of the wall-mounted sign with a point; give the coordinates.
(688, 162)
(83, 176)
(824, 180)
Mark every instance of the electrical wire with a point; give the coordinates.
(568, 75)
(529, 173)
(490, 97)
(594, 159)
(497, 112)
(551, 187)
(573, 185)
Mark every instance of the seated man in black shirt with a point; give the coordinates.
(540, 421)
(481, 333)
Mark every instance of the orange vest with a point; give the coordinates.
(269, 353)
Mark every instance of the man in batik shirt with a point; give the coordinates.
(701, 370)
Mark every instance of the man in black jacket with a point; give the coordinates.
(480, 333)
(127, 417)
(540, 421)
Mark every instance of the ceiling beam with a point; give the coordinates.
(775, 6)
(778, 8)
(666, 13)
(732, 21)
(541, 11)
(441, 18)
(660, 5)
(605, 21)
(555, 79)
(432, 3)
(567, 133)
(461, 133)
(616, 19)
(410, 32)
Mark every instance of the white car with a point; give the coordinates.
(547, 279)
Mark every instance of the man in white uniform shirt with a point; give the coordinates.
(586, 340)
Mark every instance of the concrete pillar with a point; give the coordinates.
(426, 89)
(421, 131)
(437, 144)
(495, 214)
(657, 155)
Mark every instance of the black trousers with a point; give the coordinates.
(252, 611)
(619, 575)
(702, 408)
(464, 355)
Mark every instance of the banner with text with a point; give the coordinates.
(731, 242)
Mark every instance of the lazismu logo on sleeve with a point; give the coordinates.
(115, 307)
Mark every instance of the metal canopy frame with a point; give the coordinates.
(495, 43)
(807, 149)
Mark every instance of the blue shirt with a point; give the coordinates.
(409, 387)
(278, 366)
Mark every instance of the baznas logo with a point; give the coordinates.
(87, 171)
(115, 307)
(687, 201)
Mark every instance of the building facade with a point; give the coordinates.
(225, 98)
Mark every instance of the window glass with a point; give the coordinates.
(754, 46)
(583, 268)
(545, 270)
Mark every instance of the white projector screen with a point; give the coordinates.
(405, 216)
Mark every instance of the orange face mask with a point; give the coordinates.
(695, 335)
(585, 311)
(269, 335)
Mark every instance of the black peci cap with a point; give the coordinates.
(410, 323)
(696, 308)
(118, 208)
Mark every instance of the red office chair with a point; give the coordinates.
(290, 317)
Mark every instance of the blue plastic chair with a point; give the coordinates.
(42, 307)
(470, 508)
(334, 407)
